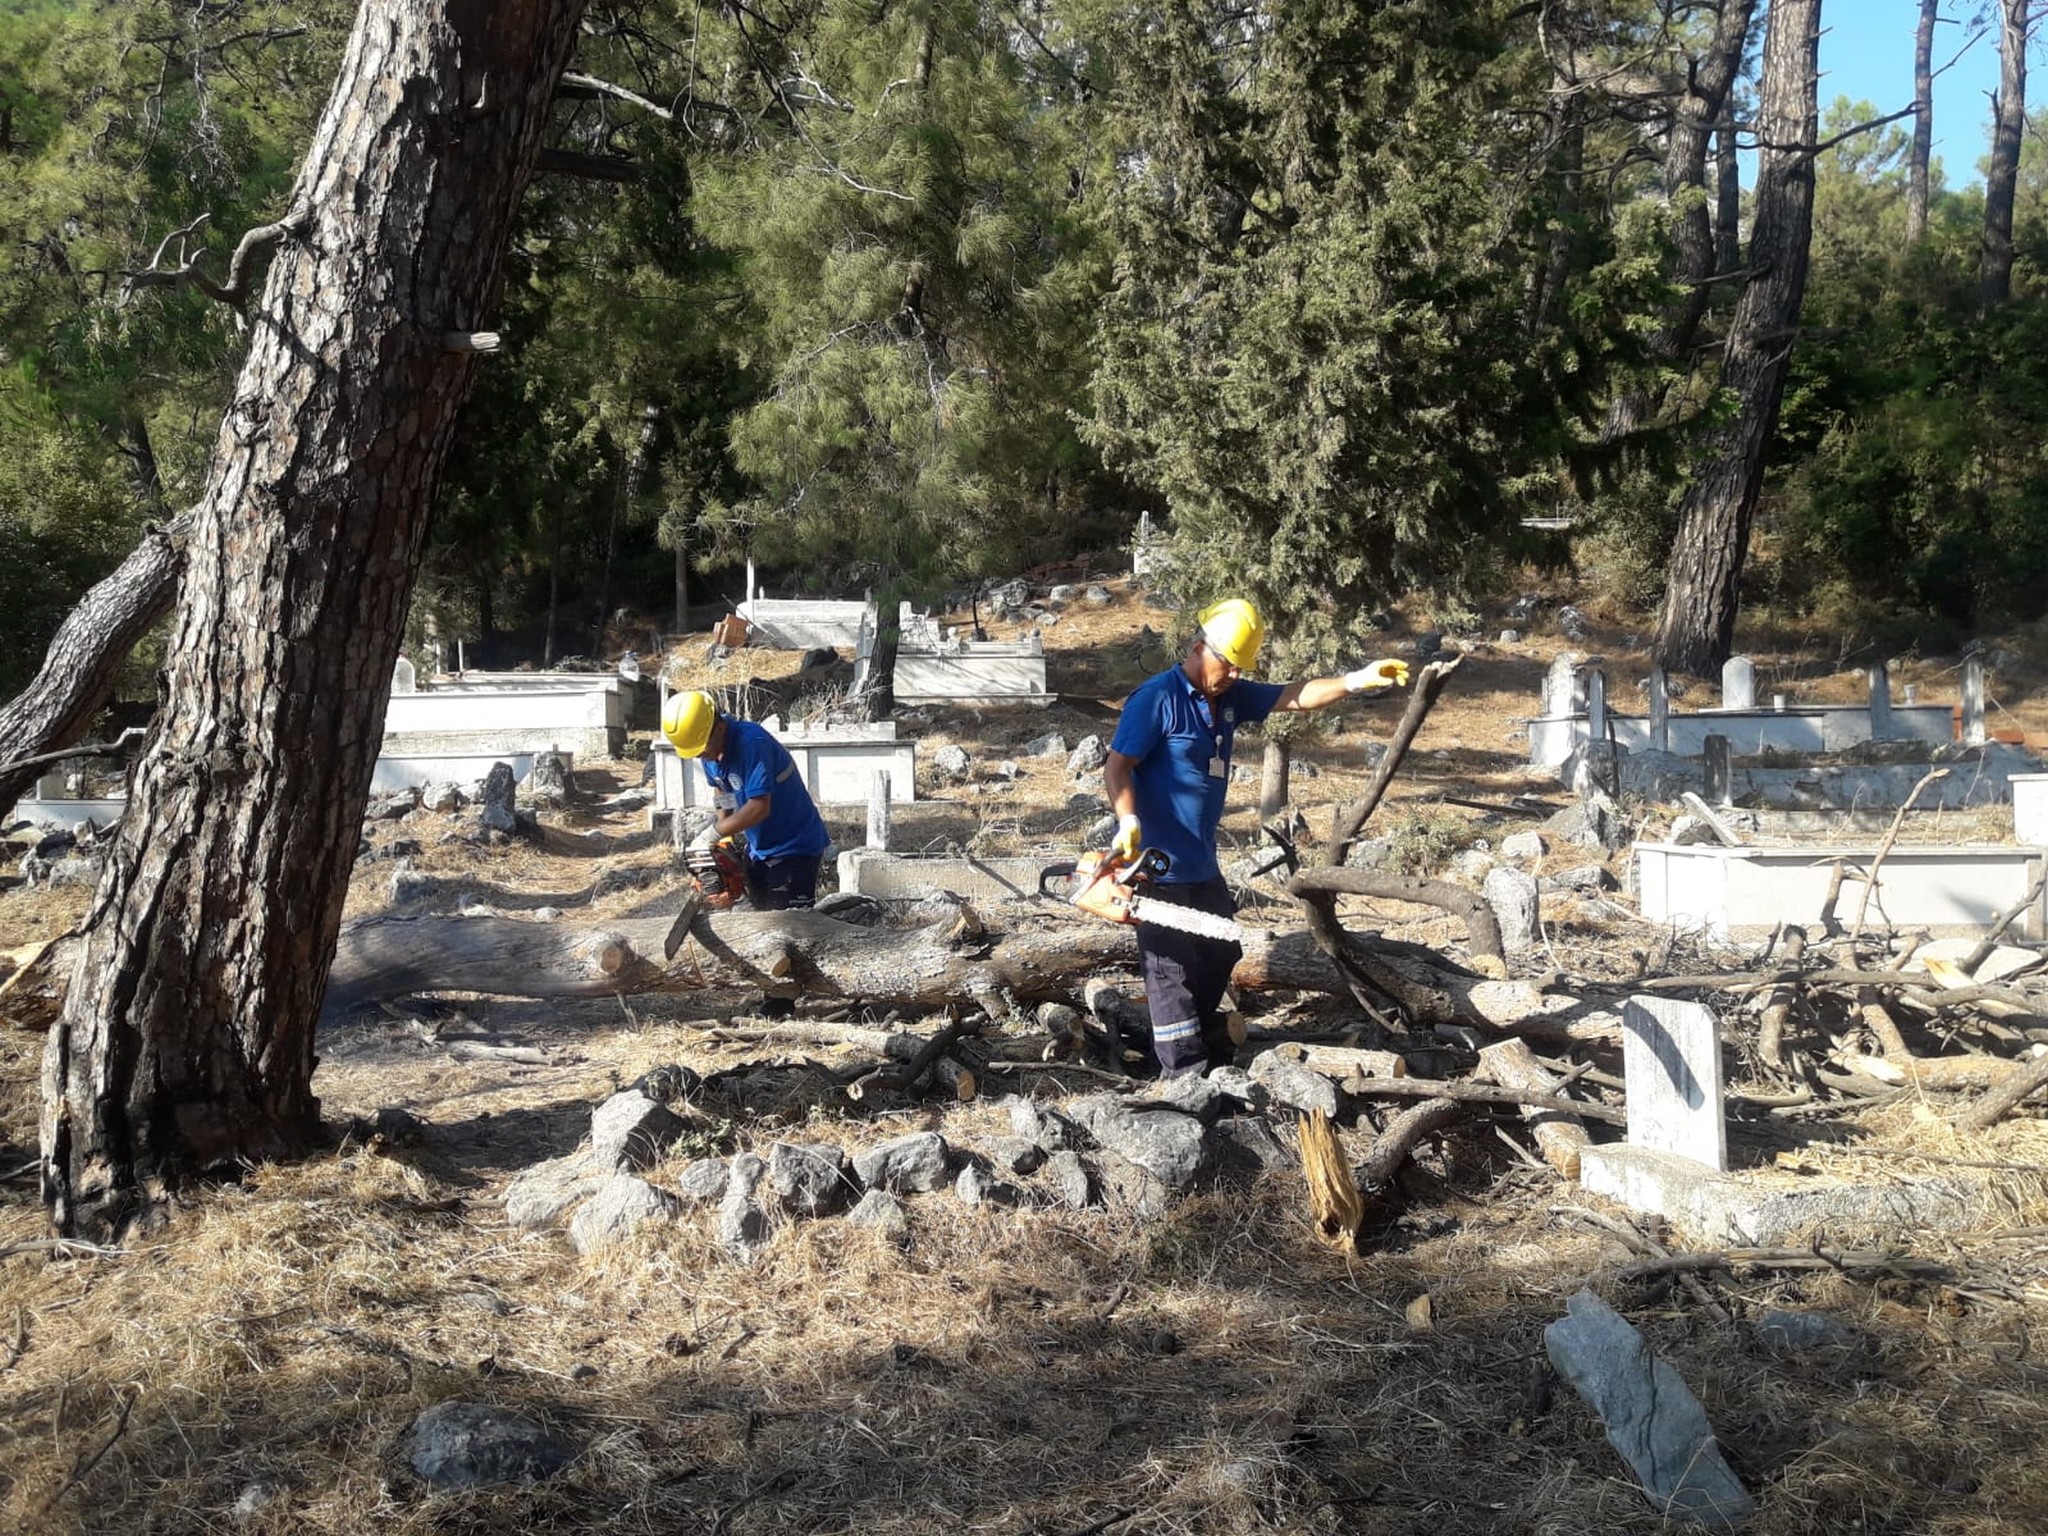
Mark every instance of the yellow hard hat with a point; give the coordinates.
(686, 720)
(1234, 631)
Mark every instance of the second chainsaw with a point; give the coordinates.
(1115, 889)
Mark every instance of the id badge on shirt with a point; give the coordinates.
(1218, 768)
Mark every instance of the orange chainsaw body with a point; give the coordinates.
(1108, 887)
(720, 872)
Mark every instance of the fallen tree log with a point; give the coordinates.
(1039, 953)
(1560, 1137)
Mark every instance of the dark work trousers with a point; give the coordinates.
(778, 885)
(782, 885)
(1185, 978)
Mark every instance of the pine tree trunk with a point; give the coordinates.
(85, 656)
(2001, 175)
(1727, 194)
(1923, 122)
(186, 1043)
(1697, 628)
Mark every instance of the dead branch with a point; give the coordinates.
(1391, 1149)
(188, 273)
(1891, 836)
(1560, 1137)
(588, 87)
(2002, 1100)
(1482, 927)
(1482, 1093)
(1976, 957)
(927, 1057)
(1854, 1263)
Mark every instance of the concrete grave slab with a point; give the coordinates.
(908, 876)
(838, 765)
(1671, 1058)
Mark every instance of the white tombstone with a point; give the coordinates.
(1738, 683)
(629, 666)
(1880, 703)
(1671, 1059)
(1560, 685)
(403, 679)
(1596, 704)
(1660, 710)
(1973, 702)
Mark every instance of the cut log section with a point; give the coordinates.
(1560, 1138)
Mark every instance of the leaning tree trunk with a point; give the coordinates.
(1697, 628)
(86, 654)
(2002, 173)
(1727, 193)
(1922, 152)
(186, 1042)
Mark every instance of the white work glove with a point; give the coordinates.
(1380, 674)
(1129, 841)
(707, 835)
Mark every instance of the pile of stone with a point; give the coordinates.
(1134, 1152)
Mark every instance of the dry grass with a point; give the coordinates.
(1219, 1371)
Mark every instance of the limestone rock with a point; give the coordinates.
(884, 1212)
(615, 1208)
(1163, 1141)
(1016, 1154)
(1098, 596)
(743, 1226)
(630, 1130)
(1292, 1084)
(442, 798)
(917, 1163)
(497, 812)
(1128, 1187)
(546, 1192)
(1248, 1143)
(812, 1179)
(1512, 895)
(1522, 845)
(703, 1181)
(951, 764)
(1088, 756)
(1052, 744)
(472, 1445)
(1651, 1416)
(1065, 1179)
(977, 1186)
(1046, 1128)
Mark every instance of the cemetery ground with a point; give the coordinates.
(1027, 1367)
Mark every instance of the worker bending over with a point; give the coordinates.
(757, 792)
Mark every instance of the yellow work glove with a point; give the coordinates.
(1381, 674)
(1129, 840)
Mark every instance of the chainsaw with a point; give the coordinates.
(718, 878)
(1114, 889)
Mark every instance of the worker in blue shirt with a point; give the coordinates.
(758, 793)
(1167, 778)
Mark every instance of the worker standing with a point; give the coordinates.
(757, 793)
(1167, 779)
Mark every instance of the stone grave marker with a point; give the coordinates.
(1660, 710)
(1880, 703)
(1738, 683)
(1671, 1059)
(1973, 702)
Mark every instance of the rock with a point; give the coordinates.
(1236, 1086)
(1016, 1154)
(703, 1181)
(547, 914)
(1472, 865)
(618, 1205)
(1516, 907)
(1429, 644)
(812, 1179)
(1101, 832)
(391, 807)
(1593, 822)
(1061, 595)
(1009, 597)
(852, 907)
(667, 1084)
(1369, 853)
(1042, 1127)
(1052, 744)
(884, 1212)
(951, 764)
(546, 1192)
(1510, 637)
(1689, 831)
(1572, 624)
(1522, 845)
(1098, 596)
(1088, 756)
(1008, 770)
(630, 1130)
(255, 1498)
(1163, 1141)
(1247, 1143)
(1065, 1179)
(1650, 1415)
(1587, 879)
(743, 1226)
(472, 1445)
(497, 812)
(917, 1163)
(442, 798)
(1131, 1188)
(1292, 1084)
(1790, 1331)
(977, 1186)
(1193, 1094)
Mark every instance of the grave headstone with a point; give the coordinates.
(1671, 1059)
(1880, 703)
(1738, 683)
(1560, 684)
(878, 811)
(1973, 702)
(1714, 753)
(1596, 704)
(1660, 710)
(403, 678)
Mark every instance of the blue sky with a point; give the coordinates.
(1866, 53)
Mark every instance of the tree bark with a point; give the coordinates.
(1922, 152)
(1696, 630)
(1273, 776)
(2001, 174)
(86, 654)
(1727, 193)
(186, 1043)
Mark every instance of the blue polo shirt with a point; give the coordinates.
(756, 764)
(1175, 734)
